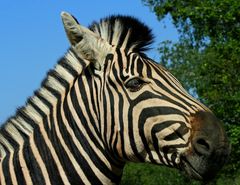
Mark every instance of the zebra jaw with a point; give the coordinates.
(86, 43)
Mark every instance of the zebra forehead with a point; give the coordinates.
(124, 32)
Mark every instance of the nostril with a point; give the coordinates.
(202, 146)
(203, 143)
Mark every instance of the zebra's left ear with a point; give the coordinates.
(86, 43)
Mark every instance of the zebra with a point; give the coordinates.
(104, 104)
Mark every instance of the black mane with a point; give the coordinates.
(140, 35)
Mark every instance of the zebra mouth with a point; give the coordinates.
(190, 170)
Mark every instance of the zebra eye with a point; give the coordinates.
(135, 84)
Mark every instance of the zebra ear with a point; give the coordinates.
(86, 43)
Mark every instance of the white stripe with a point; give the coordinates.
(53, 83)
(2, 178)
(104, 30)
(22, 125)
(47, 95)
(64, 73)
(33, 114)
(117, 30)
(73, 62)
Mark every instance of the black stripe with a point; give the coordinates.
(140, 66)
(97, 102)
(90, 82)
(120, 64)
(112, 107)
(32, 164)
(173, 159)
(129, 58)
(179, 133)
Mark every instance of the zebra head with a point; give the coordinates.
(145, 114)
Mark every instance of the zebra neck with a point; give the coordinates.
(43, 103)
(55, 139)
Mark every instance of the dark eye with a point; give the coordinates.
(135, 84)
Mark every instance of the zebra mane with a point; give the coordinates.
(115, 28)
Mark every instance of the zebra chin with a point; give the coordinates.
(209, 149)
(202, 168)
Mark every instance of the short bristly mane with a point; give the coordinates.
(114, 29)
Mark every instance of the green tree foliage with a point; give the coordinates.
(206, 59)
(215, 19)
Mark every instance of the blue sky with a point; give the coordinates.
(32, 39)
